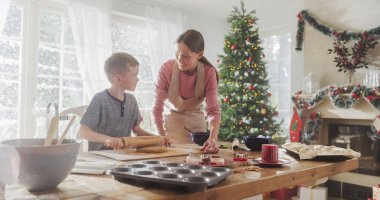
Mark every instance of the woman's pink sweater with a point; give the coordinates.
(186, 90)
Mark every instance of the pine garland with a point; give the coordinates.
(335, 94)
(304, 16)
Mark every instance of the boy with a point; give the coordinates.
(112, 113)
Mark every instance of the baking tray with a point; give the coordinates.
(171, 174)
(319, 157)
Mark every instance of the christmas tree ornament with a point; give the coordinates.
(263, 111)
(251, 87)
(233, 47)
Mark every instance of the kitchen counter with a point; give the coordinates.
(236, 186)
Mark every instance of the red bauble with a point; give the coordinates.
(275, 113)
(269, 94)
(233, 47)
(365, 34)
(226, 100)
(251, 87)
(299, 16)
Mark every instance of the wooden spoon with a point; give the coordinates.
(66, 130)
(53, 126)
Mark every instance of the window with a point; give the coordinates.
(130, 35)
(38, 66)
(277, 50)
(10, 73)
(59, 80)
(31, 79)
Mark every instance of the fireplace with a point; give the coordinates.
(348, 127)
(356, 138)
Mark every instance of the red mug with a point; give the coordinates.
(269, 153)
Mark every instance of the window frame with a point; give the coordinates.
(281, 31)
(27, 126)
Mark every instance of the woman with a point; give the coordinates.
(186, 83)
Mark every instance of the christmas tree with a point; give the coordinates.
(246, 107)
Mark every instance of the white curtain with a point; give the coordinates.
(164, 26)
(4, 7)
(90, 23)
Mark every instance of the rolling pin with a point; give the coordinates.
(143, 141)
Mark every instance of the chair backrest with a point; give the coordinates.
(79, 111)
(76, 110)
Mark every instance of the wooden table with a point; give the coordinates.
(236, 186)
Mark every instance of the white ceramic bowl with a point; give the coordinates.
(44, 167)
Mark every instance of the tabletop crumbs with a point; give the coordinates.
(240, 167)
(244, 169)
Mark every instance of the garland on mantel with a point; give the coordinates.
(336, 96)
(304, 16)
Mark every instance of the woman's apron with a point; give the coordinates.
(185, 112)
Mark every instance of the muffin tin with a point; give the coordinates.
(169, 174)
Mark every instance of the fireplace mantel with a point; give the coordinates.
(361, 111)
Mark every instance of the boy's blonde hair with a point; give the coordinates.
(119, 63)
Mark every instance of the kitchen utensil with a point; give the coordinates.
(188, 130)
(53, 127)
(43, 167)
(178, 175)
(254, 143)
(143, 141)
(198, 137)
(66, 130)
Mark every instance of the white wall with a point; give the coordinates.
(351, 15)
(212, 28)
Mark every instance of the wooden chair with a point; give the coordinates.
(79, 112)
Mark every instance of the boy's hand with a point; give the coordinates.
(167, 141)
(115, 143)
(210, 146)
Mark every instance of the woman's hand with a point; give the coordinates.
(115, 143)
(210, 146)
